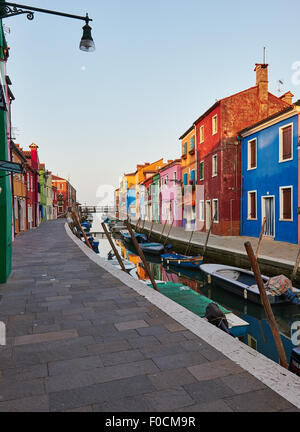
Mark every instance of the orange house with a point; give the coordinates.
(188, 166)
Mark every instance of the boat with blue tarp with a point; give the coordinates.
(180, 260)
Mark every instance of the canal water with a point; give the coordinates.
(259, 335)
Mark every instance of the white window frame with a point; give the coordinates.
(281, 203)
(281, 144)
(201, 211)
(214, 174)
(201, 162)
(214, 131)
(215, 200)
(249, 205)
(249, 168)
(201, 134)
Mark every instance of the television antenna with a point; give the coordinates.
(280, 83)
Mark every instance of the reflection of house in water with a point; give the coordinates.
(260, 338)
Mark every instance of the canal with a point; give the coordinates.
(259, 335)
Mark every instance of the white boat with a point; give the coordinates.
(127, 264)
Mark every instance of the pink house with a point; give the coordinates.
(170, 193)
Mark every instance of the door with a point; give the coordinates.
(269, 212)
(208, 215)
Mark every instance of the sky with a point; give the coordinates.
(157, 67)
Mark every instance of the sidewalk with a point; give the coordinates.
(79, 339)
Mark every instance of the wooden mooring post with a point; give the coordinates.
(163, 230)
(77, 221)
(113, 247)
(260, 237)
(151, 229)
(140, 252)
(137, 225)
(165, 242)
(266, 304)
(189, 243)
(208, 235)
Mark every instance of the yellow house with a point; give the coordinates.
(19, 191)
(49, 196)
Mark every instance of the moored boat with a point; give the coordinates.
(295, 361)
(127, 264)
(152, 248)
(180, 260)
(141, 238)
(242, 282)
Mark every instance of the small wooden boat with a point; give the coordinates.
(141, 238)
(127, 264)
(152, 248)
(197, 303)
(242, 282)
(176, 259)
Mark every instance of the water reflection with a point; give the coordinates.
(259, 335)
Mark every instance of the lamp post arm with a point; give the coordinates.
(8, 9)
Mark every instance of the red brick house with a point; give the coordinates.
(219, 152)
(32, 176)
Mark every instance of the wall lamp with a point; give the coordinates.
(8, 9)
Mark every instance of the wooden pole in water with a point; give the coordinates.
(296, 266)
(142, 229)
(77, 221)
(260, 236)
(113, 247)
(266, 304)
(140, 252)
(137, 225)
(151, 229)
(163, 231)
(208, 234)
(169, 233)
(189, 243)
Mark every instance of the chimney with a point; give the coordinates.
(34, 157)
(287, 97)
(262, 83)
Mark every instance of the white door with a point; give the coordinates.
(208, 215)
(268, 211)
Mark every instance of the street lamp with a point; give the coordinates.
(8, 9)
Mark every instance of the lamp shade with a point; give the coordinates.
(87, 44)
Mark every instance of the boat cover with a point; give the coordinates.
(278, 285)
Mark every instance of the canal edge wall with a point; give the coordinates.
(280, 380)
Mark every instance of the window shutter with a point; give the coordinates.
(287, 201)
(253, 205)
(287, 142)
(192, 145)
(253, 154)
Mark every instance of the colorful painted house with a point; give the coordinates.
(171, 193)
(54, 202)
(66, 195)
(148, 197)
(49, 196)
(43, 190)
(19, 191)
(270, 176)
(219, 152)
(156, 198)
(33, 186)
(188, 167)
(6, 218)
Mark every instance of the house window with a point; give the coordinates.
(252, 154)
(185, 179)
(201, 211)
(286, 143)
(184, 149)
(167, 180)
(175, 178)
(192, 143)
(252, 212)
(215, 210)
(214, 125)
(214, 165)
(286, 206)
(192, 177)
(201, 134)
(201, 170)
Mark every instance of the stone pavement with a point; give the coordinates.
(78, 339)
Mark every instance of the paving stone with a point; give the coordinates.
(143, 341)
(98, 375)
(174, 326)
(25, 373)
(30, 404)
(99, 393)
(214, 406)
(171, 378)
(176, 361)
(108, 347)
(82, 409)
(44, 337)
(259, 401)
(243, 383)
(217, 369)
(128, 404)
(131, 325)
(10, 390)
(207, 351)
(110, 359)
(153, 331)
(206, 391)
(76, 365)
(169, 400)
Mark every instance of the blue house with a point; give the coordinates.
(269, 176)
